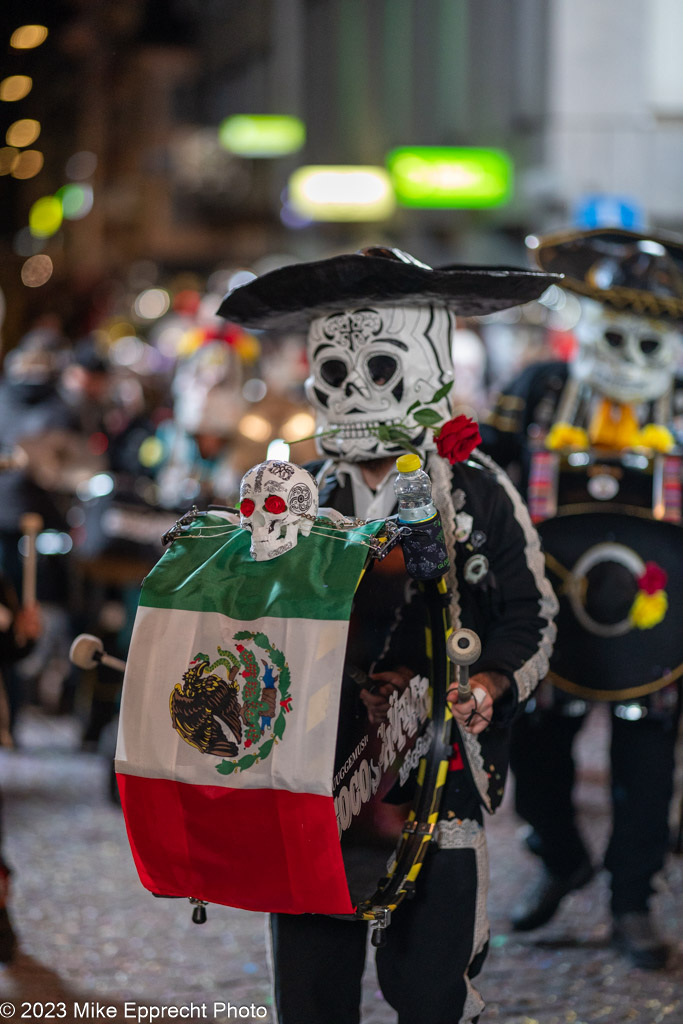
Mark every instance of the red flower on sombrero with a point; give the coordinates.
(457, 438)
(653, 579)
(651, 602)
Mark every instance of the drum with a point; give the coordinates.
(388, 776)
(612, 532)
(629, 483)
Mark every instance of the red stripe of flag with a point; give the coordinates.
(259, 849)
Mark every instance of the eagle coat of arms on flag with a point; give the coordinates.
(214, 713)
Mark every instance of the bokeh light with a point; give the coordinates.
(254, 427)
(81, 165)
(23, 133)
(98, 443)
(27, 37)
(28, 164)
(262, 135)
(255, 390)
(97, 486)
(45, 217)
(127, 351)
(186, 301)
(301, 424)
(239, 278)
(76, 200)
(152, 303)
(119, 329)
(291, 219)
(450, 177)
(24, 244)
(53, 542)
(248, 347)
(8, 155)
(15, 88)
(169, 340)
(37, 270)
(341, 193)
(191, 340)
(151, 452)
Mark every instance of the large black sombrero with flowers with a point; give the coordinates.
(290, 297)
(626, 270)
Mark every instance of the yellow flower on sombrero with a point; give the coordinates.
(655, 436)
(650, 603)
(564, 435)
(648, 610)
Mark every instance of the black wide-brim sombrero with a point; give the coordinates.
(625, 270)
(290, 297)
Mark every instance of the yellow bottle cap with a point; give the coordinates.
(408, 463)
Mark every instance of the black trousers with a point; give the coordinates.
(424, 968)
(642, 770)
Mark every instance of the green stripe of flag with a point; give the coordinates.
(215, 573)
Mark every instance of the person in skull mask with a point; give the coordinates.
(380, 329)
(594, 443)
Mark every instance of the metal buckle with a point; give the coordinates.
(181, 525)
(391, 535)
(379, 924)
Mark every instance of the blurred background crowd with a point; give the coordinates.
(155, 155)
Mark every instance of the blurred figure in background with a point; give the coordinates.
(39, 432)
(112, 514)
(86, 384)
(470, 359)
(601, 469)
(19, 628)
(207, 407)
(109, 407)
(31, 405)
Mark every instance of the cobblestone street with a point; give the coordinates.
(89, 933)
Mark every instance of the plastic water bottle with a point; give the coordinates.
(422, 540)
(413, 490)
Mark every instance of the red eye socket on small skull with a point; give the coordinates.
(246, 507)
(275, 504)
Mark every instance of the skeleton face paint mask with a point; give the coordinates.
(278, 501)
(624, 357)
(368, 366)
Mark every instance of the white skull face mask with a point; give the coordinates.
(368, 366)
(624, 357)
(278, 501)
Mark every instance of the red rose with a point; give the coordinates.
(653, 579)
(457, 438)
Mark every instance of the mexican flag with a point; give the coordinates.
(228, 722)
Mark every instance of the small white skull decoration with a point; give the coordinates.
(278, 501)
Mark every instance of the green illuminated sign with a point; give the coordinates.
(262, 135)
(450, 177)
